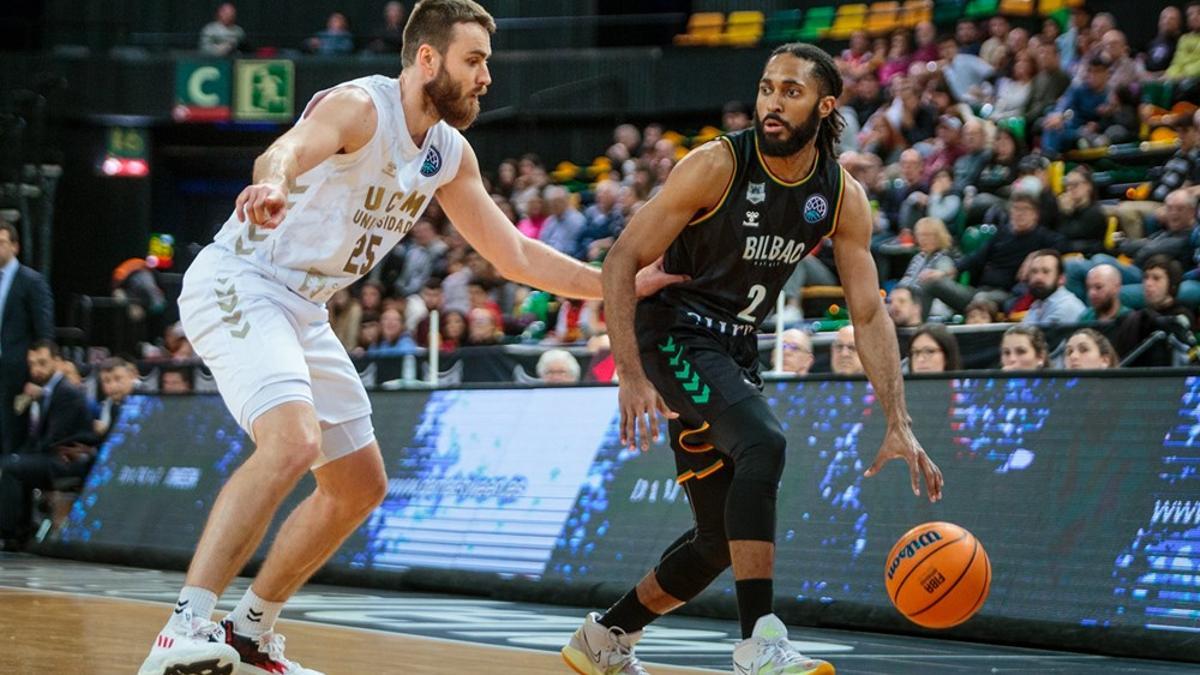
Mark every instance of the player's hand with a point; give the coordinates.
(653, 278)
(640, 407)
(264, 203)
(900, 443)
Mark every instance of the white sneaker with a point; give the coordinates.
(263, 655)
(190, 646)
(596, 649)
(768, 652)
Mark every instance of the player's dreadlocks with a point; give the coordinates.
(826, 72)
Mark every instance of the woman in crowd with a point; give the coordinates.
(1012, 93)
(933, 350)
(1081, 219)
(982, 312)
(1023, 348)
(932, 261)
(1088, 349)
(345, 315)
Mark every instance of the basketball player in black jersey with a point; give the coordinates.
(737, 214)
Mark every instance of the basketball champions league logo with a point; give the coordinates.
(432, 163)
(815, 209)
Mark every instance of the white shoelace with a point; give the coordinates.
(625, 652)
(782, 653)
(196, 627)
(271, 643)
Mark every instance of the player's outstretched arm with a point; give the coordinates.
(343, 121)
(694, 186)
(876, 337)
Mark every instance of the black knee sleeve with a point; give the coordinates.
(756, 442)
(691, 565)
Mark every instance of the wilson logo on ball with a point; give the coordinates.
(915, 545)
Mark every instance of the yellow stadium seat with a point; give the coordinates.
(916, 11)
(1016, 7)
(743, 29)
(704, 28)
(884, 18)
(850, 18)
(674, 136)
(1048, 7)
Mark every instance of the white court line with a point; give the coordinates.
(376, 631)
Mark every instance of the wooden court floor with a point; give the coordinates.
(52, 633)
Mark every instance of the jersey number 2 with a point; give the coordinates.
(363, 247)
(757, 294)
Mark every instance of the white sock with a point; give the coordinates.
(254, 616)
(200, 600)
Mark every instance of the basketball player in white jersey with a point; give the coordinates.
(330, 198)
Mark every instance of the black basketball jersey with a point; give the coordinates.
(741, 253)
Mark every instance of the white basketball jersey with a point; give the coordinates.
(347, 213)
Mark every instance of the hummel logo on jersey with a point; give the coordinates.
(756, 193)
(432, 163)
(751, 219)
(390, 169)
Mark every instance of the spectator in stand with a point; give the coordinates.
(1186, 62)
(927, 47)
(389, 37)
(564, 227)
(26, 316)
(915, 119)
(1013, 93)
(867, 97)
(223, 37)
(478, 297)
(604, 221)
(118, 379)
(797, 352)
(422, 257)
(1104, 295)
(904, 308)
(175, 380)
(1161, 276)
(1083, 112)
(931, 262)
(1047, 86)
(994, 266)
(1126, 72)
(998, 29)
(393, 338)
(481, 328)
(61, 443)
(899, 57)
(900, 211)
(1023, 347)
(535, 217)
(1161, 49)
(1174, 241)
(1000, 170)
(946, 146)
(844, 353)
(453, 330)
(933, 349)
(1053, 303)
(855, 60)
(418, 307)
(1181, 171)
(557, 366)
(1050, 31)
(1088, 349)
(1069, 41)
(345, 315)
(735, 116)
(975, 158)
(1082, 221)
(964, 72)
(942, 203)
(966, 36)
(982, 311)
(506, 176)
(371, 297)
(335, 39)
(368, 333)
(627, 144)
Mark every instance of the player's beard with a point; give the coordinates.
(451, 103)
(796, 139)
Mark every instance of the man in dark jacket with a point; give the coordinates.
(61, 443)
(1161, 276)
(26, 315)
(994, 266)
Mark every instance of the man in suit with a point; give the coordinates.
(26, 316)
(61, 442)
(118, 379)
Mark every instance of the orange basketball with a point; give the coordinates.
(938, 575)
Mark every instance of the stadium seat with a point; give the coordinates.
(883, 18)
(783, 26)
(916, 11)
(849, 18)
(1048, 7)
(816, 22)
(704, 28)
(979, 9)
(743, 29)
(1016, 7)
(947, 11)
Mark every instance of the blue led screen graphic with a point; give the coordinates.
(1084, 490)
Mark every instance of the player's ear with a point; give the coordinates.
(427, 60)
(827, 105)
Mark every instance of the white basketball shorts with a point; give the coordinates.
(266, 345)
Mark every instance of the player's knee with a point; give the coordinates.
(714, 551)
(294, 452)
(689, 569)
(373, 490)
(762, 457)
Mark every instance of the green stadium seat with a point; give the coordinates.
(947, 11)
(978, 9)
(816, 22)
(783, 26)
